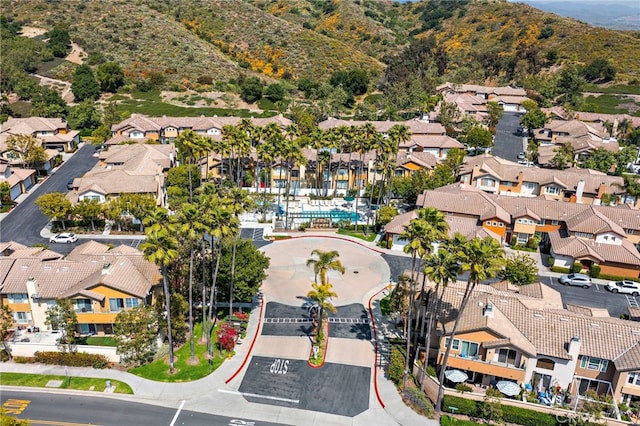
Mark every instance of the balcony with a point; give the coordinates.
(498, 369)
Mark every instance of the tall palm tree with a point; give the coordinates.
(397, 134)
(293, 156)
(189, 146)
(442, 268)
(366, 140)
(238, 202)
(321, 295)
(160, 247)
(190, 230)
(483, 259)
(272, 135)
(326, 261)
(265, 155)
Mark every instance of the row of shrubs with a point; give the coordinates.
(593, 273)
(515, 415)
(71, 359)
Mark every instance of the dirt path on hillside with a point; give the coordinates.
(32, 31)
(76, 55)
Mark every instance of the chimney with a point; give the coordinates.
(574, 347)
(579, 191)
(601, 189)
(488, 311)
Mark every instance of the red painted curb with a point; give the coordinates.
(324, 356)
(375, 338)
(253, 342)
(337, 238)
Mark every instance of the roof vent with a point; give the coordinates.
(635, 332)
(537, 315)
(565, 319)
(595, 324)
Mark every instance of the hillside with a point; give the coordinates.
(190, 40)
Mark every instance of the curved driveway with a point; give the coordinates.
(290, 278)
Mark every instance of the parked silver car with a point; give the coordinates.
(624, 286)
(580, 280)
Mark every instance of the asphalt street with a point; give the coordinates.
(334, 388)
(507, 144)
(46, 408)
(24, 223)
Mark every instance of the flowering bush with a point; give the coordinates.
(241, 315)
(227, 337)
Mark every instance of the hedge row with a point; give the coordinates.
(515, 415)
(396, 364)
(72, 359)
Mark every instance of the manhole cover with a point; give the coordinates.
(356, 272)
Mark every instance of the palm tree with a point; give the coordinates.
(325, 261)
(321, 295)
(442, 268)
(483, 259)
(398, 134)
(189, 146)
(160, 248)
(272, 134)
(293, 156)
(190, 229)
(366, 140)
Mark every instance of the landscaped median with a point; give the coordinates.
(65, 382)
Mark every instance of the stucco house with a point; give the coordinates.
(101, 282)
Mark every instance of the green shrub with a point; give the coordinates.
(551, 260)
(577, 267)
(396, 364)
(616, 278)
(72, 359)
(462, 388)
(419, 401)
(23, 360)
(467, 407)
(494, 393)
(431, 371)
(525, 417)
(595, 271)
(560, 269)
(384, 305)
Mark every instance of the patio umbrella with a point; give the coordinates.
(508, 388)
(456, 376)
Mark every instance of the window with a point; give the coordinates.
(469, 349)
(18, 298)
(500, 225)
(487, 182)
(554, 222)
(553, 190)
(22, 317)
(507, 356)
(593, 363)
(132, 302)
(546, 363)
(634, 378)
(540, 222)
(341, 184)
(529, 185)
(116, 305)
(83, 305)
(488, 223)
(494, 224)
(629, 231)
(455, 346)
(583, 235)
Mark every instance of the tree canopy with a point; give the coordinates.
(85, 86)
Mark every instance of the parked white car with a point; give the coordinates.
(65, 237)
(624, 286)
(579, 280)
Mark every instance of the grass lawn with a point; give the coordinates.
(609, 104)
(184, 372)
(384, 305)
(151, 104)
(445, 420)
(78, 383)
(97, 341)
(358, 234)
(616, 88)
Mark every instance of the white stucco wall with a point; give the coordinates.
(28, 349)
(609, 238)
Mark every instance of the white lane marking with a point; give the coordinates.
(255, 395)
(173, 422)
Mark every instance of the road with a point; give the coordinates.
(45, 408)
(24, 223)
(507, 144)
(595, 297)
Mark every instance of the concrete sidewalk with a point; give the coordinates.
(218, 392)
